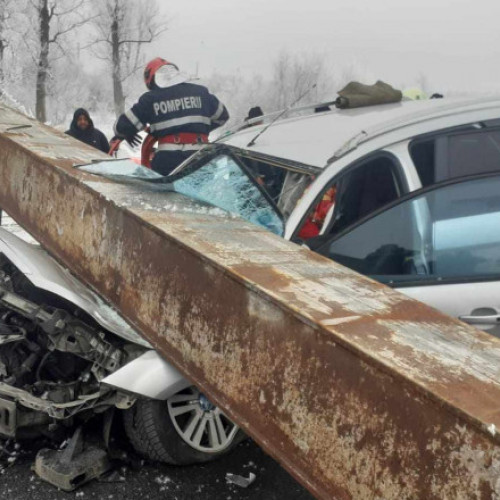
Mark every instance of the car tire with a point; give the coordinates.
(185, 429)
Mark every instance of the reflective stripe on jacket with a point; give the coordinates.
(185, 107)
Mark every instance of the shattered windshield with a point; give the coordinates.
(220, 182)
(223, 183)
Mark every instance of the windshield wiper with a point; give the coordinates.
(252, 142)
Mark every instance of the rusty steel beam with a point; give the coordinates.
(358, 391)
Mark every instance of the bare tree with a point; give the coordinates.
(312, 76)
(294, 76)
(4, 16)
(123, 28)
(7, 31)
(55, 20)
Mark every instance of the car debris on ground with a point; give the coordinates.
(73, 466)
(238, 480)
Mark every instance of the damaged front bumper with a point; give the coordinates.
(19, 408)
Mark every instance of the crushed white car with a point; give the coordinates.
(406, 193)
(65, 356)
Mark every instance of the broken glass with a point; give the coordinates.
(120, 168)
(223, 183)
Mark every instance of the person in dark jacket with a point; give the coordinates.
(254, 112)
(82, 128)
(180, 114)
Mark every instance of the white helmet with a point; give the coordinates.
(169, 75)
(162, 73)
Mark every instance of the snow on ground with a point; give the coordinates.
(12, 226)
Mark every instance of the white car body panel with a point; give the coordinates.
(45, 273)
(402, 153)
(149, 376)
(460, 299)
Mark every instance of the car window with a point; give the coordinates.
(223, 183)
(284, 182)
(352, 196)
(270, 177)
(294, 186)
(447, 233)
(458, 154)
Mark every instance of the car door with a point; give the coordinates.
(355, 192)
(440, 245)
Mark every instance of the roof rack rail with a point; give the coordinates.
(268, 117)
(447, 108)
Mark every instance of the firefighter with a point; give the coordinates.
(180, 115)
(82, 128)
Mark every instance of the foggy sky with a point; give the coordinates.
(454, 44)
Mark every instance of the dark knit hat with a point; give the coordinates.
(254, 112)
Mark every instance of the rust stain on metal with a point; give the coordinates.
(357, 390)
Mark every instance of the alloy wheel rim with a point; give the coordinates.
(201, 424)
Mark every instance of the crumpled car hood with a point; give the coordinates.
(45, 273)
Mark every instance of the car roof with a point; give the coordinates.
(315, 138)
